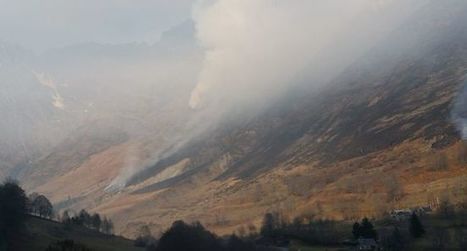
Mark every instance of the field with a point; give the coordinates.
(41, 233)
(300, 246)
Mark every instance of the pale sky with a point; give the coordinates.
(44, 24)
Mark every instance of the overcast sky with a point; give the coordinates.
(44, 24)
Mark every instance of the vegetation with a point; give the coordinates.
(416, 229)
(184, 237)
(364, 230)
(67, 245)
(444, 229)
(277, 230)
(145, 238)
(39, 205)
(194, 237)
(94, 221)
(13, 208)
(26, 223)
(40, 234)
(395, 241)
(25, 217)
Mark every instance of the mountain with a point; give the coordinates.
(49, 99)
(27, 109)
(379, 136)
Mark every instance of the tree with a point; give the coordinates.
(356, 230)
(85, 218)
(144, 237)
(446, 209)
(184, 237)
(364, 230)
(42, 207)
(65, 218)
(395, 241)
(416, 228)
(107, 226)
(269, 225)
(367, 230)
(31, 198)
(13, 209)
(236, 244)
(96, 221)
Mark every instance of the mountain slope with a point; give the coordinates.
(379, 137)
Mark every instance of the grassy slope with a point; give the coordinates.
(378, 138)
(300, 246)
(40, 233)
(449, 226)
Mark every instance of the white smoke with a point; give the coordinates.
(254, 49)
(47, 81)
(460, 112)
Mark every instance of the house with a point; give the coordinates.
(367, 244)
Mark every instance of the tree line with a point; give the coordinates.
(91, 221)
(182, 236)
(15, 207)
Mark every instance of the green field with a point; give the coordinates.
(41, 233)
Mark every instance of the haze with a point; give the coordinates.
(165, 72)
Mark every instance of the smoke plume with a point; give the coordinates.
(460, 112)
(256, 49)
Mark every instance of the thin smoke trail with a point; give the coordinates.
(460, 112)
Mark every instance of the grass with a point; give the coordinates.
(301, 246)
(435, 227)
(448, 227)
(41, 233)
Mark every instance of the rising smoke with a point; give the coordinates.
(459, 112)
(252, 52)
(256, 49)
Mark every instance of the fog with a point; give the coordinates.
(44, 24)
(165, 72)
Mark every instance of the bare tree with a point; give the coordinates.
(42, 207)
(107, 226)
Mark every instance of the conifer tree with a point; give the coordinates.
(416, 227)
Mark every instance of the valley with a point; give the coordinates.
(111, 127)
